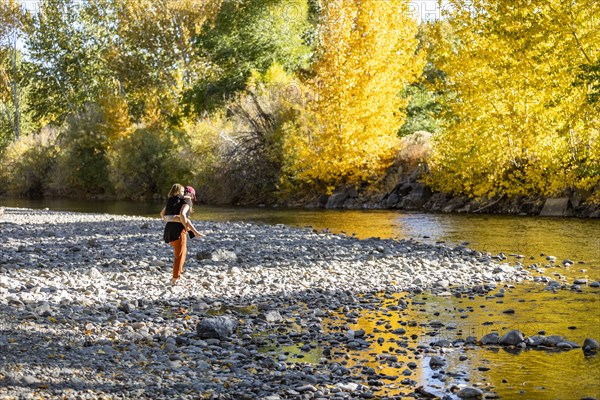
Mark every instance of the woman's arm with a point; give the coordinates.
(169, 218)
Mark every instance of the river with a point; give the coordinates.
(529, 374)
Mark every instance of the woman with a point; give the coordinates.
(180, 203)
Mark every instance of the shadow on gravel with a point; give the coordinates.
(150, 349)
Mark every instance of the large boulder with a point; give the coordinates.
(436, 202)
(559, 207)
(512, 338)
(342, 198)
(490, 338)
(417, 197)
(216, 327)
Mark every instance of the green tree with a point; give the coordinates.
(68, 71)
(423, 112)
(13, 25)
(250, 35)
(151, 50)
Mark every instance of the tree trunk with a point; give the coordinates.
(15, 91)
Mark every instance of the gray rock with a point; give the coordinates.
(534, 341)
(580, 281)
(203, 255)
(552, 341)
(94, 273)
(470, 393)
(511, 338)
(490, 338)
(392, 200)
(306, 388)
(271, 316)
(590, 346)
(443, 284)
(222, 255)
(220, 327)
(355, 334)
(567, 345)
(436, 361)
(127, 306)
(30, 380)
(556, 207)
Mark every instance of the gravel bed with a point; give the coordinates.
(86, 310)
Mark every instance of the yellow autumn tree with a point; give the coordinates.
(366, 56)
(155, 55)
(519, 122)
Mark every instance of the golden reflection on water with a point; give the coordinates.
(528, 374)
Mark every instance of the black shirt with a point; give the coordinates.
(173, 229)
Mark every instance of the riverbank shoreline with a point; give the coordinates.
(85, 309)
(411, 195)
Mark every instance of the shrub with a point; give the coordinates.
(149, 161)
(414, 151)
(254, 155)
(27, 164)
(82, 166)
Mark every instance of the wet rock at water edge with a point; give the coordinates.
(552, 341)
(535, 341)
(220, 327)
(567, 345)
(436, 361)
(511, 338)
(590, 346)
(490, 338)
(470, 393)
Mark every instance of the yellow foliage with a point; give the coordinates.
(117, 122)
(518, 123)
(366, 57)
(157, 54)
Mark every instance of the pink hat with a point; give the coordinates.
(190, 190)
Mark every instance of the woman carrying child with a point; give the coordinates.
(176, 212)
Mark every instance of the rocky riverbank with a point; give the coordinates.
(411, 195)
(86, 312)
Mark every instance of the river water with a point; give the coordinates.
(530, 374)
